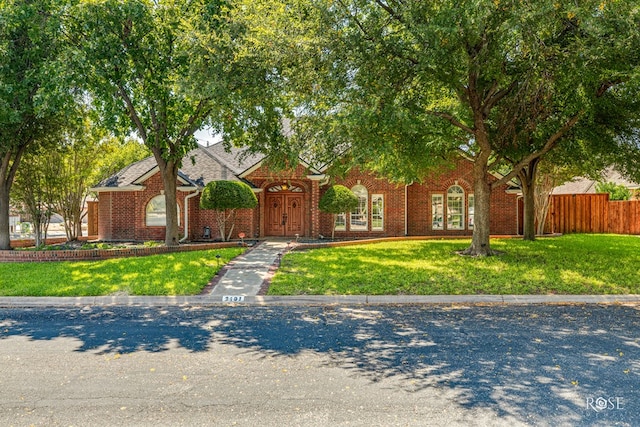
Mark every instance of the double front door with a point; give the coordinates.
(284, 214)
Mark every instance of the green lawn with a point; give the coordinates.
(571, 264)
(180, 273)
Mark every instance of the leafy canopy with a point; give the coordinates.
(223, 195)
(616, 191)
(338, 199)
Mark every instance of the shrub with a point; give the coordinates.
(225, 197)
(616, 191)
(336, 200)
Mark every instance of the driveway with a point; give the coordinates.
(385, 365)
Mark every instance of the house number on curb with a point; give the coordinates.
(233, 298)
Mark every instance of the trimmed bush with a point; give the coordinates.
(225, 197)
(336, 200)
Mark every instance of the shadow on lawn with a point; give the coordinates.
(535, 364)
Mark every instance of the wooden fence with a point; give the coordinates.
(592, 213)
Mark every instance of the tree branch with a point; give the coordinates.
(451, 119)
(548, 146)
(390, 11)
(132, 112)
(494, 96)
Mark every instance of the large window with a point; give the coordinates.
(156, 215)
(455, 208)
(359, 217)
(377, 212)
(437, 210)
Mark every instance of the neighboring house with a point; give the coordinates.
(581, 185)
(131, 202)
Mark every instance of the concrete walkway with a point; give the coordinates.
(245, 275)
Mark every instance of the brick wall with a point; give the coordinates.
(199, 218)
(503, 205)
(100, 254)
(420, 196)
(393, 207)
(122, 214)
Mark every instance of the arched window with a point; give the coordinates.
(156, 212)
(359, 217)
(455, 208)
(285, 187)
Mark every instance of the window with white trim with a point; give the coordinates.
(471, 211)
(377, 212)
(359, 216)
(341, 222)
(455, 208)
(437, 210)
(156, 212)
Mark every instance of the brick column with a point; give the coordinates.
(315, 199)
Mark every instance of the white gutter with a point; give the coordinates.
(186, 214)
(406, 209)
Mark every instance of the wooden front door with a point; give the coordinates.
(284, 214)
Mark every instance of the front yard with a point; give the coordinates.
(179, 273)
(570, 264)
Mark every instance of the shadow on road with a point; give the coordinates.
(570, 364)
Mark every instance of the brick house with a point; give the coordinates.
(131, 202)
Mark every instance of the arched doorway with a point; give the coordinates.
(284, 213)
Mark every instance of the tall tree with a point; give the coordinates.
(164, 69)
(404, 83)
(71, 170)
(32, 100)
(31, 191)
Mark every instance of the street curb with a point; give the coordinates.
(208, 300)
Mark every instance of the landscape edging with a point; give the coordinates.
(102, 254)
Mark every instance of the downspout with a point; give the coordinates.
(518, 214)
(406, 209)
(186, 214)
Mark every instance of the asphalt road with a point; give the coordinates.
(321, 366)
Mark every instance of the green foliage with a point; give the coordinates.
(181, 273)
(571, 264)
(223, 195)
(166, 69)
(616, 191)
(34, 98)
(338, 199)
(403, 86)
(117, 154)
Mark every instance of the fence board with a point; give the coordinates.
(592, 213)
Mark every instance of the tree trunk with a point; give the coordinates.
(221, 221)
(543, 190)
(5, 236)
(527, 178)
(169, 173)
(480, 245)
(37, 229)
(8, 167)
(529, 216)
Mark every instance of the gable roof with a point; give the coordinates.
(581, 185)
(236, 159)
(199, 167)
